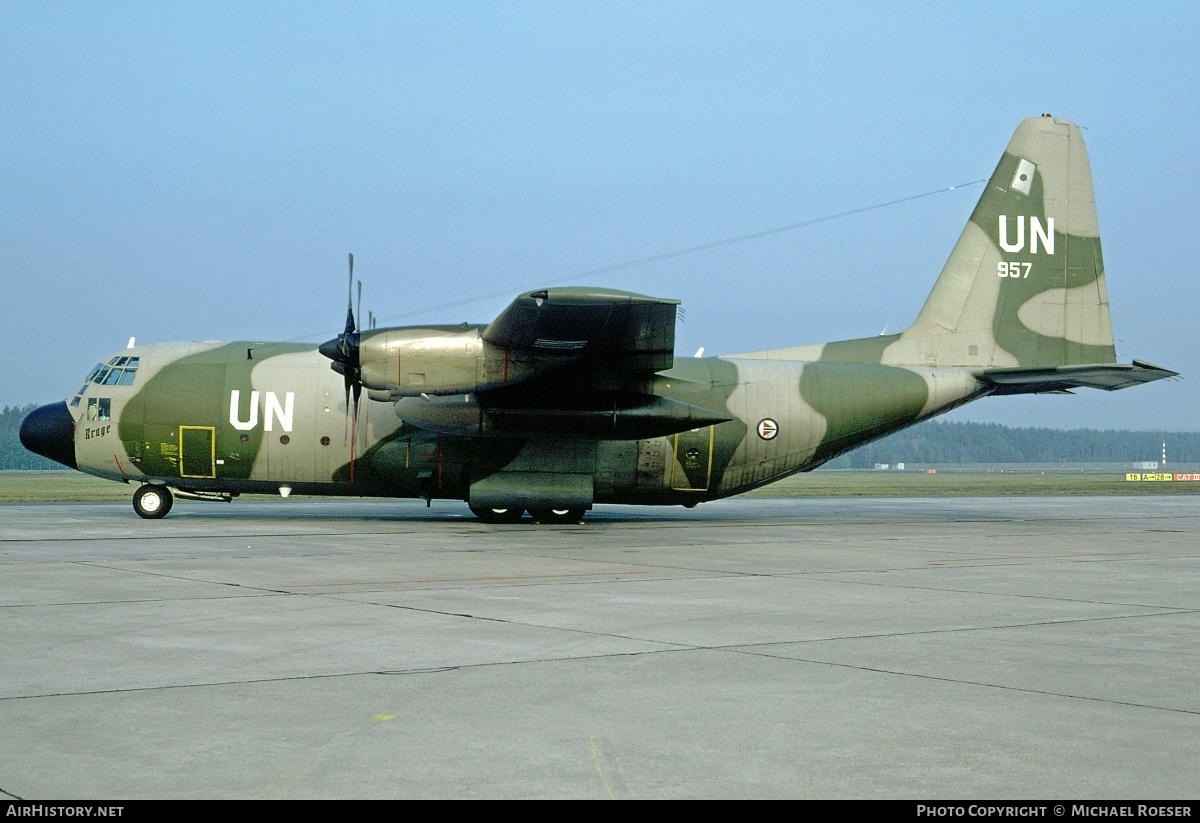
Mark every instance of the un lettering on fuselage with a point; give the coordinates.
(274, 411)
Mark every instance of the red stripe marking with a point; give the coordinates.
(441, 455)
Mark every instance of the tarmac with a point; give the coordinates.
(931, 649)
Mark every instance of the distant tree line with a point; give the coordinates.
(930, 442)
(12, 454)
(939, 442)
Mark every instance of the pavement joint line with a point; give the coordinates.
(194, 537)
(358, 673)
(64, 604)
(716, 574)
(744, 650)
(685, 646)
(965, 629)
(959, 681)
(1020, 595)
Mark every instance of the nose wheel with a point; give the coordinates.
(152, 502)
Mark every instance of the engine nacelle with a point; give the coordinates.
(436, 360)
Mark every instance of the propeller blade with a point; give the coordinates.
(350, 299)
(354, 430)
(344, 352)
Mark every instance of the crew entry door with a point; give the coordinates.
(691, 470)
(197, 451)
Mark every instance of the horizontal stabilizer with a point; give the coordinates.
(1107, 376)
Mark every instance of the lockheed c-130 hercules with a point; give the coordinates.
(573, 396)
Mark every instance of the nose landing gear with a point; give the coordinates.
(152, 501)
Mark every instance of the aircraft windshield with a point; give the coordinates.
(119, 371)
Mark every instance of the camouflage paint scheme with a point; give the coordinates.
(1021, 306)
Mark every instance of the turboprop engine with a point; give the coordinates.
(573, 362)
(437, 360)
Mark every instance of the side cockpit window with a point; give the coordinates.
(99, 408)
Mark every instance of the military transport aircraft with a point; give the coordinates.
(573, 396)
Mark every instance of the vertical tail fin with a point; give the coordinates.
(1024, 285)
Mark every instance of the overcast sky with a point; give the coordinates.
(200, 170)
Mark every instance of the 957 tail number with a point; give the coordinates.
(1016, 270)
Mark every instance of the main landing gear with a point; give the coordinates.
(513, 515)
(152, 501)
(498, 515)
(557, 515)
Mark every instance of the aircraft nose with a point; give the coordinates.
(50, 432)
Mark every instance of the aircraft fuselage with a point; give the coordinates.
(254, 418)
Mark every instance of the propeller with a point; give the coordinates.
(344, 352)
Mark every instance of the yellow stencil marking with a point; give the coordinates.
(596, 760)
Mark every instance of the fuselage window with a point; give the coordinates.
(105, 409)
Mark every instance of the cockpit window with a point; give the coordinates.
(119, 371)
(99, 408)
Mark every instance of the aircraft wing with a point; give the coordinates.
(1107, 376)
(633, 332)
